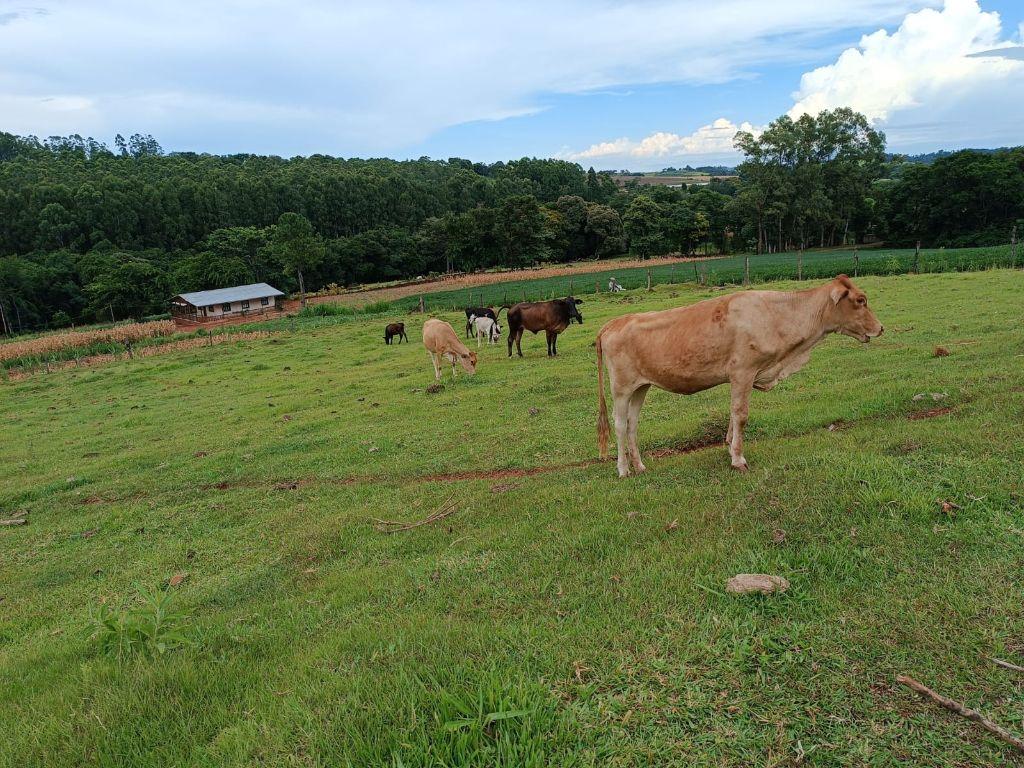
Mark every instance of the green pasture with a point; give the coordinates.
(558, 616)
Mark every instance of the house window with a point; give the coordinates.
(226, 307)
(245, 305)
(264, 302)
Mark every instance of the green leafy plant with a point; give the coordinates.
(152, 628)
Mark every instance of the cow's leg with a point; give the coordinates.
(519, 342)
(437, 368)
(636, 402)
(551, 338)
(620, 410)
(740, 407)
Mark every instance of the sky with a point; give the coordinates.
(643, 84)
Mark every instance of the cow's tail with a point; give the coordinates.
(602, 408)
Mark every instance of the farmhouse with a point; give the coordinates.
(225, 303)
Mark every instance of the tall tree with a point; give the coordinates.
(295, 245)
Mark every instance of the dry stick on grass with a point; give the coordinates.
(394, 526)
(1005, 664)
(960, 709)
(18, 518)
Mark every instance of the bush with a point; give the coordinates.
(153, 628)
(377, 308)
(326, 310)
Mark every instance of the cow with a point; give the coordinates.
(750, 340)
(486, 327)
(441, 340)
(395, 330)
(550, 316)
(480, 312)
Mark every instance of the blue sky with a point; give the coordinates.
(641, 84)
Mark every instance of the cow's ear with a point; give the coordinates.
(839, 293)
(579, 301)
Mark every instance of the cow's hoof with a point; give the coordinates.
(623, 472)
(639, 468)
(741, 467)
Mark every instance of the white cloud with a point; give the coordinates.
(714, 140)
(945, 78)
(372, 76)
(921, 82)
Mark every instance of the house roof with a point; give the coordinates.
(222, 295)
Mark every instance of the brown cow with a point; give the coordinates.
(750, 339)
(441, 341)
(395, 330)
(550, 316)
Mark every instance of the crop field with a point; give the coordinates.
(812, 265)
(203, 581)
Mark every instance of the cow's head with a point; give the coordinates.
(468, 361)
(574, 314)
(850, 310)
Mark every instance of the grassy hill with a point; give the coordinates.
(559, 616)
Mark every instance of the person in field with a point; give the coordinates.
(441, 341)
(750, 340)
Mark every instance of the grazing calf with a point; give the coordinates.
(749, 339)
(393, 330)
(486, 327)
(553, 317)
(441, 341)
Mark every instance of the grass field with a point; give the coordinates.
(559, 617)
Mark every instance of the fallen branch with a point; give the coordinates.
(1005, 664)
(15, 521)
(394, 526)
(959, 709)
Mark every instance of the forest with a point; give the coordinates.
(89, 232)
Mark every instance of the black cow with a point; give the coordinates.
(393, 330)
(550, 316)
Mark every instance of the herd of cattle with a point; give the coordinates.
(749, 340)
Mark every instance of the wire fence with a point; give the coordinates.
(730, 270)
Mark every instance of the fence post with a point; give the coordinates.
(746, 269)
(570, 286)
(917, 258)
(421, 305)
(648, 279)
(672, 275)
(856, 261)
(597, 287)
(1013, 248)
(696, 277)
(800, 264)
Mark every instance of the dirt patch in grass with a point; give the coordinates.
(931, 413)
(391, 293)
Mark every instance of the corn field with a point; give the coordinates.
(58, 344)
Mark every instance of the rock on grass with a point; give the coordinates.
(752, 583)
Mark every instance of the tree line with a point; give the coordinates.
(91, 232)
